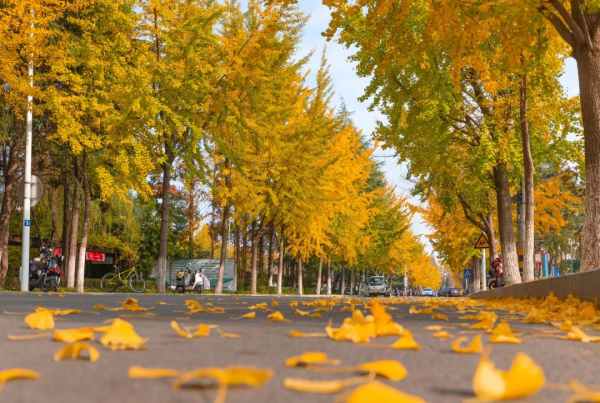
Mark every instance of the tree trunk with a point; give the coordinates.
(66, 234)
(510, 261)
(490, 233)
(236, 256)
(328, 275)
(161, 269)
(191, 219)
(271, 254)
(86, 226)
(11, 164)
(253, 274)
(224, 246)
(528, 253)
(352, 282)
(300, 290)
(588, 67)
(343, 278)
(319, 273)
(476, 271)
(281, 255)
(55, 236)
(261, 249)
(74, 229)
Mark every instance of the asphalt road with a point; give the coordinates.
(435, 373)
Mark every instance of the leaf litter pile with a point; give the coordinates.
(570, 320)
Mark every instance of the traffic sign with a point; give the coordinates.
(468, 275)
(36, 190)
(482, 243)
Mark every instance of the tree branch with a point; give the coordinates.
(560, 27)
(586, 32)
(575, 28)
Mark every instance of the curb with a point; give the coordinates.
(584, 285)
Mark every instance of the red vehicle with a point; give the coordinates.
(453, 292)
(496, 274)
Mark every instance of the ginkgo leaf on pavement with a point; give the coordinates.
(74, 350)
(310, 358)
(139, 372)
(262, 305)
(131, 304)
(28, 336)
(234, 375)
(274, 303)
(316, 315)
(294, 333)
(17, 373)
(439, 316)
(406, 342)
(301, 313)
(277, 317)
(376, 391)
(442, 334)
(503, 334)
(73, 335)
(524, 378)
(98, 306)
(328, 386)
(202, 331)
(484, 324)
(249, 315)
(390, 369)
(42, 320)
(120, 335)
(474, 347)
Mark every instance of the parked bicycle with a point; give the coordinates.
(111, 281)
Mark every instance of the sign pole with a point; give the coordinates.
(483, 279)
(27, 179)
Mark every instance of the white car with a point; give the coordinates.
(375, 286)
(428, 292)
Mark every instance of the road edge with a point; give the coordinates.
(584, 285)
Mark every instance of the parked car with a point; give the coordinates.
(444, 292)
(454, 292)
(375, 286)
(427, 292)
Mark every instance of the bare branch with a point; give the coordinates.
(560, 27)
(575, 28)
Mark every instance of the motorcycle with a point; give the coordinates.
(496, 273)
(189, 279)
(45, 272)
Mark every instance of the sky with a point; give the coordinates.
(349, 87)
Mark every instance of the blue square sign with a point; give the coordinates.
(27, 223)
(468, 275)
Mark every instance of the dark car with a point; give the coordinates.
(444, 292)
(454, 292)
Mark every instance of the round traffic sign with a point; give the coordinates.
(36, 190)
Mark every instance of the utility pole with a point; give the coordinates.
(27, 178)
(483, 279)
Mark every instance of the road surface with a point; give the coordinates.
(435, 373)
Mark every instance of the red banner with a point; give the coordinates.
(94, 256)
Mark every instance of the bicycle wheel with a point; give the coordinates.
(137, 283)
(109, 282)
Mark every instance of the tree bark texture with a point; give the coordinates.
(86, 225)
(343, 278)
(510, 260)
(319, 273)
(66, 234)
(11, 178)
(300, 290)
(281, 255)
(72, 264)
(224, 246)
(253, 274)
(161, 269)
(329, 275)
(271, 253)
(528, 252)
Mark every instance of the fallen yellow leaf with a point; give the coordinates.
(191, 304)
(442, 335)
(249, 315)
(376, 391)
(151, 373)
(584, 394)
(74, 350)
(310, 358)
(390, 369)
(17, 373)
(131, 304)
(475, 347)
(120, 335)
(350, 308)
(229, 376)
(334, 386)
(262, 305)
(42, 320)
(161, 303)
(203, 331)
(439, 316)
(437, 328)
(406, 342)
(277, 317)
(98, 306)
(73, 335)
(301, 313)
(524, 378)
(294, 304)
(60, 296)
(316, 315)
(503, 334)
(484, 324)
(274, 303)
(208, 304)
(294, 333)
(28, 336)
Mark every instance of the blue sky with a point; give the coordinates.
(349, 87)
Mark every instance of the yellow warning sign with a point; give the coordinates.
(482, 243)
